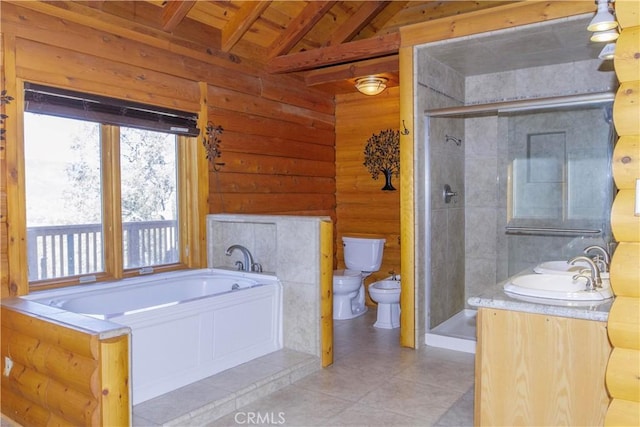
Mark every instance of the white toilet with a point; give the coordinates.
(362, 256)
(387, 294)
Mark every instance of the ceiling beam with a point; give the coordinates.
(240, 23)
(174, 12)
(360, 19)
(373, 47)
(299, 27)
(338, 73)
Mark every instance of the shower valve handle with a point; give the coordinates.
(448, 194)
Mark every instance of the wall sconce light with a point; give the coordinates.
(605, 36)
(608, 51)
(371, 85)
(603, 19)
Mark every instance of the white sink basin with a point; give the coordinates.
(564, 268)
(560, 267)
(557, 286)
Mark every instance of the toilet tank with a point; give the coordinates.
(363, 254)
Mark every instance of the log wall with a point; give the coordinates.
(623, 369)
(63, 369)
(277, 149)
(362, 208)
(278, 140)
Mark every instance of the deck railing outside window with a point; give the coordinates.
(71, 250)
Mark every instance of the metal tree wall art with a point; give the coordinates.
(382, 155)
(211, 143)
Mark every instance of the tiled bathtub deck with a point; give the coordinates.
(209, 399)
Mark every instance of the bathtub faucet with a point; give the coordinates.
(248, 259)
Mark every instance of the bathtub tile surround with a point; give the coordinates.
(289, 246)
(301, 318)
(259, 238)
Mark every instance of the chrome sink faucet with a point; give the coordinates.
(248, 264)
(603, 259)
(595, 281)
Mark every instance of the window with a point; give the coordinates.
(148, 183)
(102, 200)
(63, 197)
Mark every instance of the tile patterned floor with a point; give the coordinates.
(373, 382)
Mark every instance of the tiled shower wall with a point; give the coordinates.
(441, 161)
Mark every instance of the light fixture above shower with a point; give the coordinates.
(605, 28)
(608, 51)
(605, 36)
(604, 19)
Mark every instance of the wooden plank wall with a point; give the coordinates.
(60, 375)
(363, 209)
(278, 152)
(278, 141)
(623, 370)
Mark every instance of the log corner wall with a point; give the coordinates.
(623, 369)
(61, 368)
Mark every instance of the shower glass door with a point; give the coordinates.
(557, 183)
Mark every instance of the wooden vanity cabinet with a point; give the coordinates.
(540, 370)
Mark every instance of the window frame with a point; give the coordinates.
(190, 205)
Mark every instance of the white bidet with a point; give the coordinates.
(387, 294)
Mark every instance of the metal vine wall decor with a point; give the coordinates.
(382, 155)
(211, 143)
(4, 99)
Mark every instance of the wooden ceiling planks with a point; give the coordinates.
(241, 22)
(299, 27)
(174, 12)
(284, 27)
(286, 36)
(356, 22)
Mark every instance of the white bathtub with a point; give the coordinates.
(185, 325)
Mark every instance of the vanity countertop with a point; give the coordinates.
(497, 298)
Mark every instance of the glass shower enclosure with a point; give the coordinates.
(510, 185)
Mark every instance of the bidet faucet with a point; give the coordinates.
(595, 281)
(603, 259)
(248, 259)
